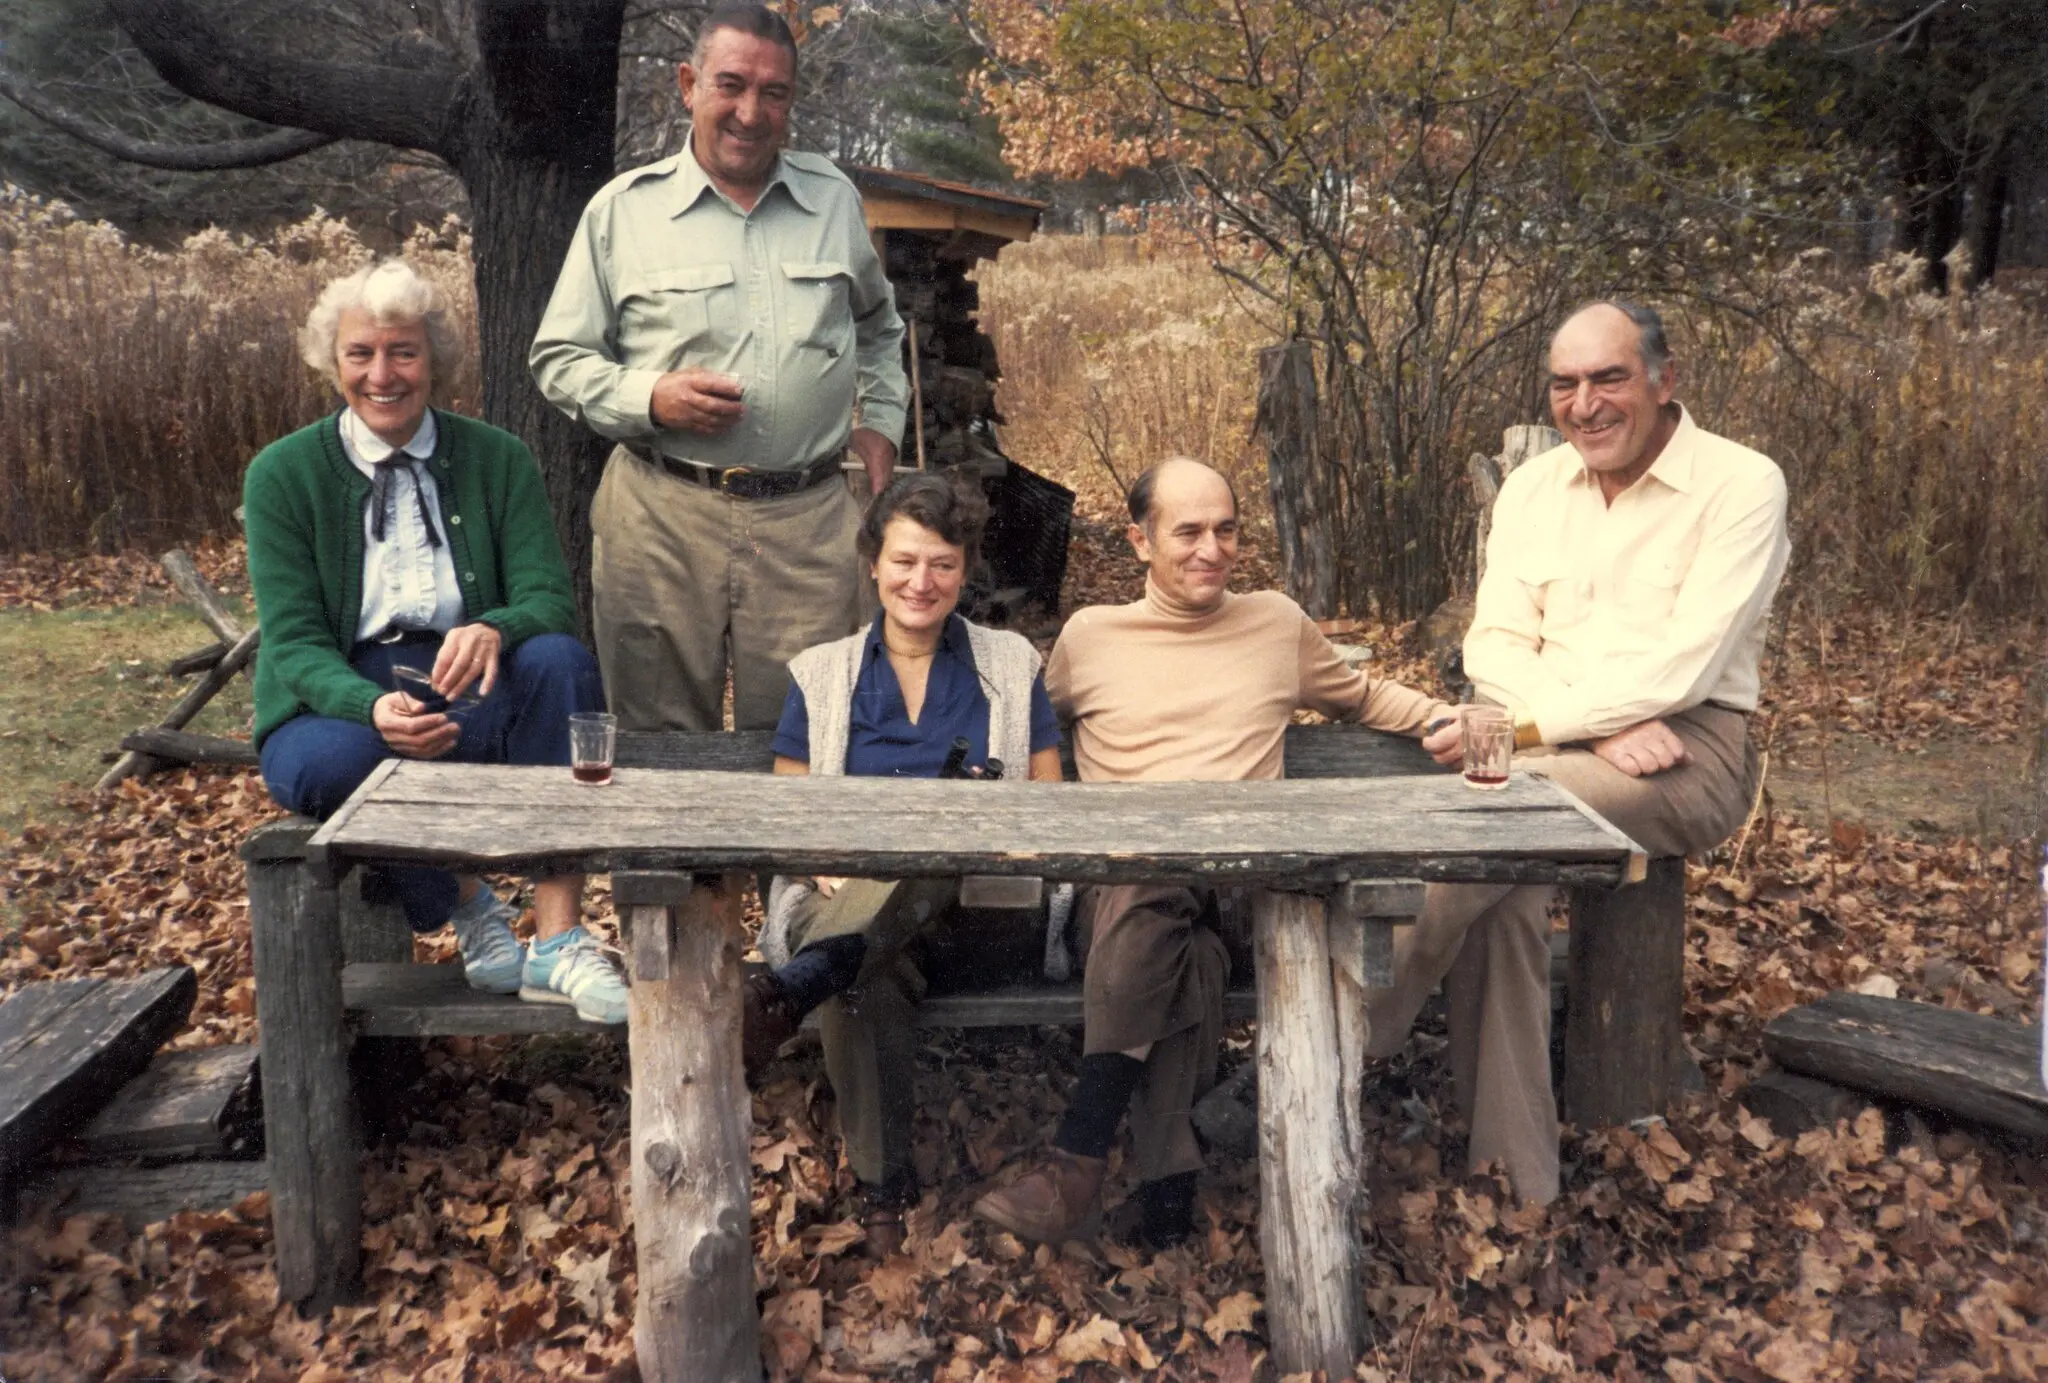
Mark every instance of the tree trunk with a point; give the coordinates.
(524, 215)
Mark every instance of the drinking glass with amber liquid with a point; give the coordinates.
(1488, 738)
(593, 737)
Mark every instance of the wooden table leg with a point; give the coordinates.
(695, 1321)
(1624, 997)
(313, 1144)
(1310, 1187)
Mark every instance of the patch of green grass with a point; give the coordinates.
(72, 682)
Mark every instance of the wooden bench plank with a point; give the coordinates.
(66, 1046)
(1986, 1070)
(406, 1000)
(435, 1001)
(185, 1105)
(1312, 751)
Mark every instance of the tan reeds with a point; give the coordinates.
(1912, 429)
(138, 382)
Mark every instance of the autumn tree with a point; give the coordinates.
(1942, 102)
(1419, 187)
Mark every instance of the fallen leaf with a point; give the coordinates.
(1233, 1314)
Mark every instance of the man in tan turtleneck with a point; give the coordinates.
(1191, 683)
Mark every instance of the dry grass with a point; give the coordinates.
(1910, 427)
(139, 382)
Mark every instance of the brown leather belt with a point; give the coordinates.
(742, 482)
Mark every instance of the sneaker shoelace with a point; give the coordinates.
(485, 944)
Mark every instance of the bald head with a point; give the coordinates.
(1184, 527)
(1185, 472)
(1611, 316)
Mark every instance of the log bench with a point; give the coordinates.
(328, 968)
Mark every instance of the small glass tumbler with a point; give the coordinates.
(593, 736)
(1488, 733)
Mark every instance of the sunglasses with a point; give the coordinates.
(420, 687)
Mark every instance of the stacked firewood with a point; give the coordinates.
(954, 374)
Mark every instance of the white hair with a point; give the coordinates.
(391, 292)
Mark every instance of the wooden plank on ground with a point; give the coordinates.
(1298, 834)
(1985, 1070)
(66, 1046)
(184, 747)
(143, 1195)
(186, 1105)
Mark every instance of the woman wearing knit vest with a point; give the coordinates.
(890, 702)
(414, 601)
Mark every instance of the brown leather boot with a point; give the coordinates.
(767, 1020)
(1057, 1200)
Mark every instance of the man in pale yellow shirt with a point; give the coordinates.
(719, 315)
(1629, 576)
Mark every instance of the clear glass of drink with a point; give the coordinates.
(1488, 735)
(593, 736)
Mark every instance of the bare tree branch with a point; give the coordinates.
(400, 86)
(275, 147)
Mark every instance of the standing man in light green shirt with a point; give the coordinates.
(719, 315)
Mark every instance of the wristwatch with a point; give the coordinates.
(1527, 736)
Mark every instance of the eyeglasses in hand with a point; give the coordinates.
(420, 687)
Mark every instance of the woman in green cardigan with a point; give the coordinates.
(414, 602)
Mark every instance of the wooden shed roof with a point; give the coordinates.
(910, 201)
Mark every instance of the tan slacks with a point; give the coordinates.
(1155, 973)
(688, 584)
(918, 937)
(1489, 944)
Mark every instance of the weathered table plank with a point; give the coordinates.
(1299, 834)
(68, 1045)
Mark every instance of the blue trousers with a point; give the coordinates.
(312, 763)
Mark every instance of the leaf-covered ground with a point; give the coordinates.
(497, 1230)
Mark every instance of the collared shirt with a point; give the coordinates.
(408, 581)
(882, 740)
(667, 273)
(1595, 617)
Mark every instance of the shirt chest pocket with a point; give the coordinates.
(820, 310)
(1650, 593)
(1554, 587)
(680, 310)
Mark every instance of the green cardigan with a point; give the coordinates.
(303, 511)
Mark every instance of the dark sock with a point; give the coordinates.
(899, 1192)
(822, 970)
(1107, 1080)
(1169, 1209)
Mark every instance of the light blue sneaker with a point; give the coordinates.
(492, 957)
(576, 970)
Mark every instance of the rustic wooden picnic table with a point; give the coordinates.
(1336, 860)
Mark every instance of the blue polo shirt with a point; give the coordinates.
(883, 742)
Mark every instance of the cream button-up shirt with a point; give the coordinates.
(408, 579)
(1594, 617)
(665, 272)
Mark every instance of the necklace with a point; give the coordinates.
(901, 654)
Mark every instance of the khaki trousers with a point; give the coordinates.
(1489, 944)
(689, 584)
(869, 1032)
(1155, 972)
